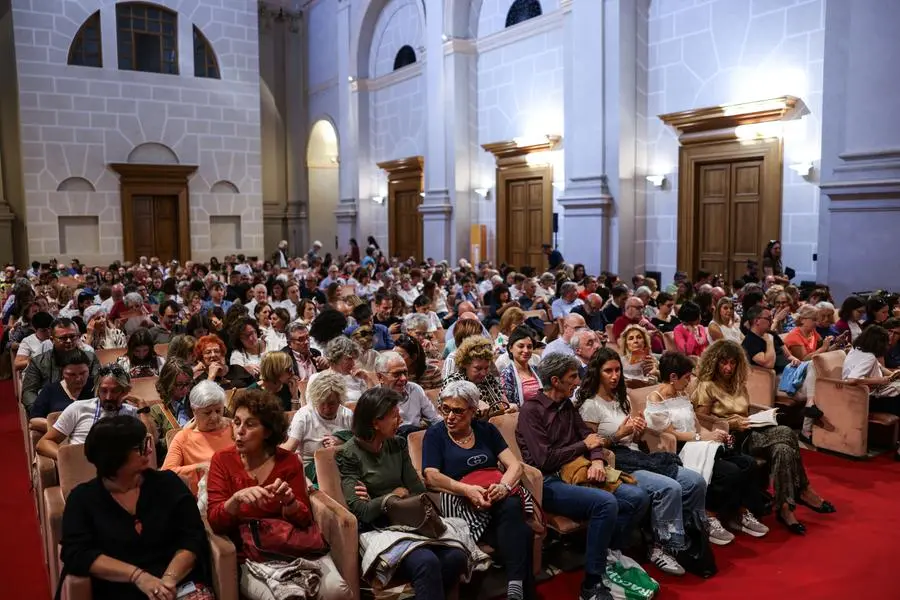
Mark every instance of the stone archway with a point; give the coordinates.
(323, 163)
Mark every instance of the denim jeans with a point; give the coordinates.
(633, 504)
(596, 506)
(672, 500)
(433, 570)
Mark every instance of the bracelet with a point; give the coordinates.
(135, 575)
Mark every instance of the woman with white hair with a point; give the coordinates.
(101, 334)
(314, 426)
(210, 431)
(418, 326)
(342, 354)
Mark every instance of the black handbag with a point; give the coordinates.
(698, 557)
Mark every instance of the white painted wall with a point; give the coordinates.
(76, 120)
(727, 51)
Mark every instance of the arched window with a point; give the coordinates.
(86, 50)
(405, 57)
(147, 38)
(522, 10)
(205, 63)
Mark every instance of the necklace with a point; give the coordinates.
(462, 441)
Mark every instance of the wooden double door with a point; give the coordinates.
(729, 211)
(155, 226)
(405, 185)
(526, 222)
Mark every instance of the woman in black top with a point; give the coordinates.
(135, 531)
(76, 384)
(664, 320)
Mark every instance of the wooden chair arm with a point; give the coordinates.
(224, 566)
(78, 588)
(339, 527)
(38, 424)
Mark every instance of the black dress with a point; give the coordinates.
(166, 520)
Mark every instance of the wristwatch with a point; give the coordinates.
(696, 437)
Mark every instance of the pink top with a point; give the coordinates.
(530, 389)
(692, 343)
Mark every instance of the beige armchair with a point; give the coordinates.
(656, 442)
(846, 408)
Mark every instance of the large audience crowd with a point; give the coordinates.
(465, 407)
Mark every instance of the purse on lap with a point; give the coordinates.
(276, 539)
(418, 513)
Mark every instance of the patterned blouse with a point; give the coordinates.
(491, 391)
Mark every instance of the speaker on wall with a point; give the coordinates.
(555, 222)
(657, 275)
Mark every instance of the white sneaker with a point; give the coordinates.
(664, 562)
(749, 525)
(718, 535)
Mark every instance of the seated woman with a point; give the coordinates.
(474, 360)
(76, 384)
(101, 334)
(328, 325)
(722, 391)
(174, 411)
(341, 354)
(691, 337)
(462, 457)
(520, 379)
(877, 311)
(375, 466)
(423, 305)
(198, 326)
(463, 329)
(826, 319)
(804, 342)
(256, 479)
(193, 447)
(364, 335)
(863, 367)
(664, 320)
(314, 426)
(181, 347)
(275, 334)
(849, 317)
(421, 371)
(136, 532)
(417, 325)
(731, 494)
(678, 495)
(640, 367)
(246, 348)
(500, 302)
(209, 357)
(276, 376)
(306, 311)
(724, 325)
(512, 318)
(141, 359)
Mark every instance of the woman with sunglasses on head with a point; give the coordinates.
(136, 532)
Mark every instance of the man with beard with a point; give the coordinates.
(44, 368)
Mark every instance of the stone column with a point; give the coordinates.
(348, 130)
(6, 220)
(297, 175)
(586, 202)
(859, 215)
(436, 208)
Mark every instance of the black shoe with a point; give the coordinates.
(595, 592)
(825, 508)
(813, 412)
(805, 439)
(797, 528)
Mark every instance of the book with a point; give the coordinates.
(764, 418)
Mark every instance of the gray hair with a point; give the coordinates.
(820, 306)
(464, 390)
(205, 394)
(556, 365)
(295, 326)
(414, 321)
(340, 347)
(549, 277)
(386, 358)
(575, 341)
(569, 286)
(643, 290)
(323, 386)
(133, 299)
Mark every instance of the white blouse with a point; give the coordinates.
(732, 333)
(677, 412)
(608, 416)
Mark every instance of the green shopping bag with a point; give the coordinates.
(626, 579)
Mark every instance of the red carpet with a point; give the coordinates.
(847, 555)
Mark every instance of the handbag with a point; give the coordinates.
(487, 477)
(697, 558)
(276, 539)
(575, 472)
(418, 513)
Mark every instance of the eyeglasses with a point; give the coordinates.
(67, 338)
(448, 410)
(398, 374)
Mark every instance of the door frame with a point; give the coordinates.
(155, 180)
(404, 175)
(730, 133)
(516, 160)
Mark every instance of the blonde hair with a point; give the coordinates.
(624, 352)
(181, 346)
(324, 385)
(474, 348)
(717, 314)
(721, 350)
(806, 312)
(273, 365)
(512, 318)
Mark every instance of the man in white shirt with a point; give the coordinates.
(561, 345)
(260, 294)
(584, 343)
(36, 343)
(243, 267)
(568, 299)
(76, 421)
(416, 408)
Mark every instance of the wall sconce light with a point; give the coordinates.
(351, 78)
(445, 37)
(482, 191)
(657, 180)
(422, 194)
(803, 169)
(378, 199)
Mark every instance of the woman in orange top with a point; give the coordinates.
(193, 447)
(803, 341)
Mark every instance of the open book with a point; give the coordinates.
(764, 418)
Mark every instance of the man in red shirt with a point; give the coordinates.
(633, 315)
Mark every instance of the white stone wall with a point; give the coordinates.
(725, 51)
(520, 94)
(322, 51)
(398, 25)
(76, 120)
(491, 17)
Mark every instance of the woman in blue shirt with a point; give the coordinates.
(76, 384)
(460, 458)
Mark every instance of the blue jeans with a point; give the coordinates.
(633, 505)
(672, 501)
(433, 570)
(596, 506)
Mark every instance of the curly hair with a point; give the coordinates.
(205, 342)
(590, 385)
(266, 407)
(708, 369)
(474, 348)
(623, 347)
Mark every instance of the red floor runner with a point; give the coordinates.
(848, 555)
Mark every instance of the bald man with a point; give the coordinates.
(561, 345)
(592, 311)
(461, 309)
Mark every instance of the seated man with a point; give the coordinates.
(568, 299)
(613, 309)
(764, 349)
(550, 434)
(36, 343)
(592, 311)
(44, 368)
(584, 343)
(892, 358)
(634, 315)
(417, 411)
(76, 421)
(560, 345)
